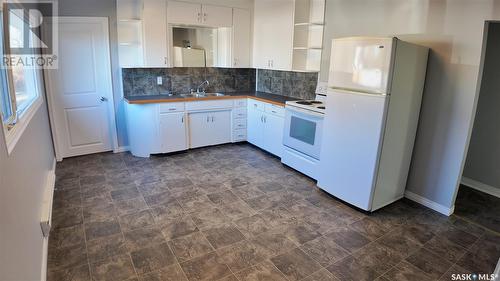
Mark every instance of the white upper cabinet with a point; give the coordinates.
(273, 34)
(183, 12)
(242, 22)
(217, 16)
(197, 14)
(155, 33)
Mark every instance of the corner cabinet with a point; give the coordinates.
(242, 29)
(271, 49)
(265, 126)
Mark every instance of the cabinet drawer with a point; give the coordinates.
(275, 110)
(239, 124)
(171, 107)
(254, 104)
(208, 105)
(239, 113)
(239, 135)
(240, 103)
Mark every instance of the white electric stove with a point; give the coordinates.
(303, 134)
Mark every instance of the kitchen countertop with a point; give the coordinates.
(261, 96)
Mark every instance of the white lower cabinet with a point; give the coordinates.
(265, 129)
(209, 128)
(221, 127)
(255, 125)
(172, 131)
(171, 127)
(273, 134)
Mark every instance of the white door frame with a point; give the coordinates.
(50, 84)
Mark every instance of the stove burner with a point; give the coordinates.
(321, 107)
(316, 102)
(304, 102)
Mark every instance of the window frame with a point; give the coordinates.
(16, 124)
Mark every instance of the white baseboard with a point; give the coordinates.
(47, 215)
(429, 204)
(491, 190)
(121, 149)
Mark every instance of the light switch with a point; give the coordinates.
(159, 80)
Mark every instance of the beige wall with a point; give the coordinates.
(483, 158)
(23, 176)
(453, 30)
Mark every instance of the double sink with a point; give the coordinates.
(198, 95)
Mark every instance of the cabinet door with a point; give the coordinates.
(184, 13)
(199, 130)
(273, 49)
(254, 126)
(173, 132)
(221, 127)
(241, 38)
(155, 33)
(217, 16)
(273, 134)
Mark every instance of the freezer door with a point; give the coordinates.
(361, 64)
(352, 137)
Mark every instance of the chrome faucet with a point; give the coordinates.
(200, 87)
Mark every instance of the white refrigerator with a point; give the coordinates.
(374, 95)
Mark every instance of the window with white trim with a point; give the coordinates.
(19, 84)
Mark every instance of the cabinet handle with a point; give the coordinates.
(171, 109)
(182, 119)
(265, 119)
(199, 17)
(262, 119)
(213, 119)
(165, 60)
(204, 17)
(208, 119)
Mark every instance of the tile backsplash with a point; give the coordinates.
(300, 85)
(180, 80)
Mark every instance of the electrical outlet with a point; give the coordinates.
(322, 88)
(159, 80)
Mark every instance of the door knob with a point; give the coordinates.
(104, 99)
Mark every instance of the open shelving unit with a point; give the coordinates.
(130, 32)
(308, 35)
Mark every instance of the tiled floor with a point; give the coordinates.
(235, 213)
(478, 207)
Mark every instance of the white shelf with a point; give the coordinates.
(130, 21)
(129, 43)
(307, 48)
(309, 24)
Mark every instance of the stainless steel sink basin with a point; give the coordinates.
(202, 95)
(194, 95)
(215, 94)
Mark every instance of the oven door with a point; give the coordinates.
(303, 131)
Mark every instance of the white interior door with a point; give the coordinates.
(80, 89)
